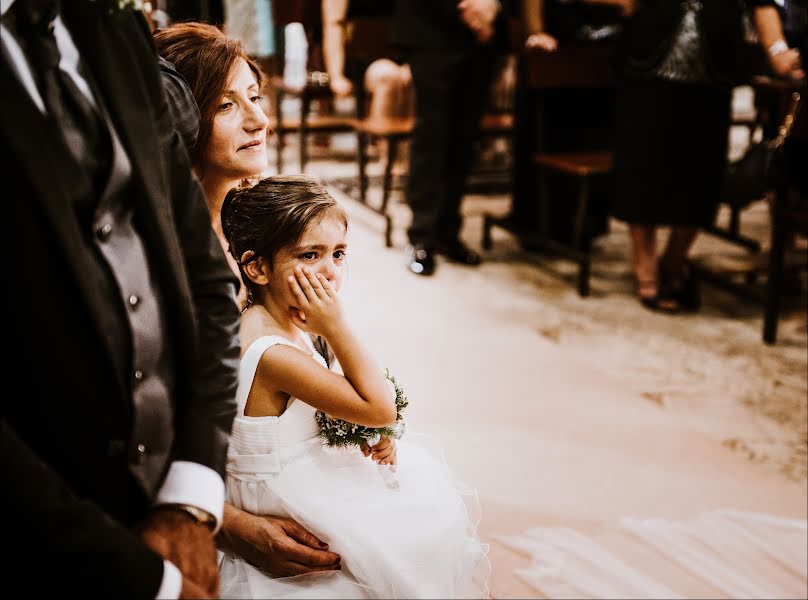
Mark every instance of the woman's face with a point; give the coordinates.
(321, 249)
(237, 146)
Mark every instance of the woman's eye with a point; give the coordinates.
(255, 99)
(225, 106)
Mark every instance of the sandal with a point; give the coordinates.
(684, 291)
(658, 301)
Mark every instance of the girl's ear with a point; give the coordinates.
(256, 269)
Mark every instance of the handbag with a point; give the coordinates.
(760, 168)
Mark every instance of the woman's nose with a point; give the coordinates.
(257, 118)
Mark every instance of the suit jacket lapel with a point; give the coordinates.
(50, 171)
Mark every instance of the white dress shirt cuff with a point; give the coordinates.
(171, 586)
(194, 484)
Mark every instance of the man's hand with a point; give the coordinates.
(191, 590)
(187, 544)
(542, 41)
(276, 545)
(479, 15)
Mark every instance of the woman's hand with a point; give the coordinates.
(319, 310)
(788, 64)
(542, 41)
(341, 85)
(383, 453)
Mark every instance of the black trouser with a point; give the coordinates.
(451, 93)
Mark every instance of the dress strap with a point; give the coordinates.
(249, 365)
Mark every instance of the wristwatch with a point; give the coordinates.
(199, 515)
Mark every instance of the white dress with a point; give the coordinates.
(415, 539)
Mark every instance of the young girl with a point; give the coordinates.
(413, 540)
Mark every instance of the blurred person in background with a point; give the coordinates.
(388, 83)
(451, 48)
(678, 62)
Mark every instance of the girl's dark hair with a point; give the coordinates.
(205, 57)
(272, 215)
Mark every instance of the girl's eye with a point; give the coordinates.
(255, 99)
(309, 255)
(339, 254)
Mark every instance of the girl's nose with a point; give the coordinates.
(329, 270)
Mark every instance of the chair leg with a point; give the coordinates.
(305, 107)
(775, 275)
(279, 132)
(487, 223)
(544, 203)
(392, 146)
(581, 244)
(362, 156)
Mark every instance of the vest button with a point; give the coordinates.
(140, 454)
(104, 231)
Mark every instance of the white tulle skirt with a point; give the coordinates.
(404, 534)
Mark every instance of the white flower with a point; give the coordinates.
(392, 388)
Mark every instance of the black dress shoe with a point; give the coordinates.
(420, 259)
(457, 252)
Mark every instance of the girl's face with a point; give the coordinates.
(322, 248)
(237, 146)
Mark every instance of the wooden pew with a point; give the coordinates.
(578, 67)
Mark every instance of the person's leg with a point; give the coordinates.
(673, 263)
(429, 148)
(677, 280)
(470, 93)
(646, 270)
(643, 245)
(383, 82)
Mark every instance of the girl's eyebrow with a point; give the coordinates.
(310, 247)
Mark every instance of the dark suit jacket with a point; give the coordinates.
(69, 498)
(436, 25)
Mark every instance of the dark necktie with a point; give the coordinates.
(84, 133)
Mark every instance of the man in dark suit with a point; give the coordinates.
(451, 49)
(121, 310)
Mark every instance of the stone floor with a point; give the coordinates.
(576, 412)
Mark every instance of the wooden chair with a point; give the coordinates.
(788, 212)
(308, 13)
(572, 66)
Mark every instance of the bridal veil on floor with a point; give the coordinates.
(721, 554)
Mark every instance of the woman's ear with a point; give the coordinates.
(254, 269)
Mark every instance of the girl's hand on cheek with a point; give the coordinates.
(316, 300)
